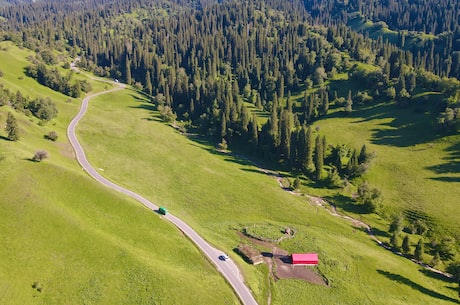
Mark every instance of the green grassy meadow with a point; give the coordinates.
(78, 242)
(68, 240)
(218, 194)
(415, 168)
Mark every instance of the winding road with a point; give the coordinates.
(227, 268)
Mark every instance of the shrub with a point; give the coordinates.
(52, 136)
(40, 155)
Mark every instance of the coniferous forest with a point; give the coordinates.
(255, 75)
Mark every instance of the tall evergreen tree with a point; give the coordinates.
(319, 158)
(128, 70)
(406, 245)
(12, 128)
(419, 250)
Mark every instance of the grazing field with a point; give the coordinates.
(218, 194)
(67, 240)
(416, 169)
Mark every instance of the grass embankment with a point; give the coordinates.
(67, 240)
(218, 194)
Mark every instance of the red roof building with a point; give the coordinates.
(305, 259)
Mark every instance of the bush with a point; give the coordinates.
(52, 136)
(40, 155)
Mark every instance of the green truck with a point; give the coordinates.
(162, 211)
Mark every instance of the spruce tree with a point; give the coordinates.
(394, 242)
(406, 245)
(12, 128)
(319, 158)
(419, 250)
(128, 70)
(309, 149)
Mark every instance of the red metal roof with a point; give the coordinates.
(305, 258)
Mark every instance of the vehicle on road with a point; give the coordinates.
(223, 257)
(162, 211)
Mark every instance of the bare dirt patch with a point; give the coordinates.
(66, 150)
(279, 263)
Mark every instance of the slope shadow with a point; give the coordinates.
(403, 280)
(406, 127)
(451, 166)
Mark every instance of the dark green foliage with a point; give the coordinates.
(418, 227)
(436, 260)
(369, 198)
(397, 224)
(12, 128)
(43, 109)
(454, 269)
(333, 179)
(296, 183)
(395, 242)
(419, 250)
(40, 155)
(52, 136)
(446, 248)
(406, 245)
(450, 119)
(53, 79)
(319, 158)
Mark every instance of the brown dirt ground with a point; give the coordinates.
(279, 263)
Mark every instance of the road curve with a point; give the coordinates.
(227, 268)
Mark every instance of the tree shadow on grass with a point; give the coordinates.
(404, 126)
(451, 166)
(145, 106)
(380, 233)
(345, 203)
(436, 276)
(403, 280)
(446, 179)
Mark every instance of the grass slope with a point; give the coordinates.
(415, 168)
(219, 194)
(76, 241)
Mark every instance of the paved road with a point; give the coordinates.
(227, 268)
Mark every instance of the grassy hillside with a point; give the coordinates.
(218, 194)
(67, 240)
(415, 168)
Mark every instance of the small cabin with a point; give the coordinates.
(310, 259)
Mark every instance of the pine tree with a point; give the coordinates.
(12, 128)
(394, 242)
(309, 149)
(352, 165)
(285, 134)
(348, 107)
(128, 70)
(319, 158)
(223, 125)
(148, 83)
(406, 245)
(419, 250)
(363, 155)
(274, 128)
(254, 130)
